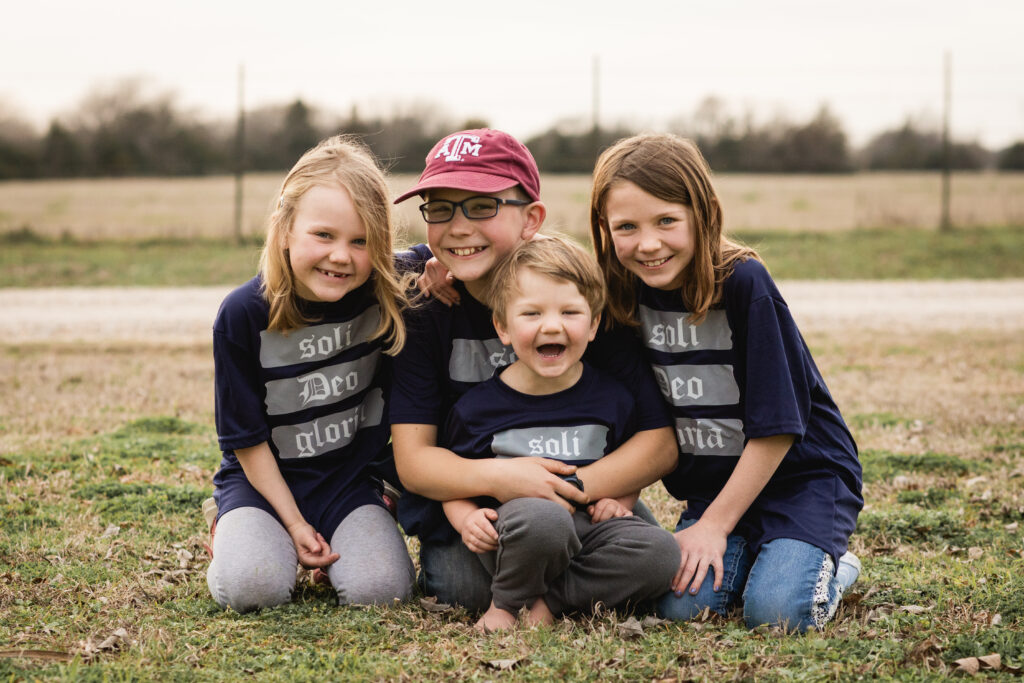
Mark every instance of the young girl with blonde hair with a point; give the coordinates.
(302, 367)
(767, 466)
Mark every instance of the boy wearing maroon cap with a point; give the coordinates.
(482, 199)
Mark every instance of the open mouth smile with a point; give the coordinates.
(655, 263)
(551, 350)
(465, 251)
(332, 274)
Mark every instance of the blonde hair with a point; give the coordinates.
(338, 160)
(556, 257)
(672, 169)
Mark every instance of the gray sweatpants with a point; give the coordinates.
(544, 551)
(254, 560)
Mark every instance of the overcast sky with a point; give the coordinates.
(528, 64)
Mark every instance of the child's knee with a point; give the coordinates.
(664, 556)
(791, 586)
(687, 605)
(251, 588)
(385, 587)
(548, 526)
(782, 608)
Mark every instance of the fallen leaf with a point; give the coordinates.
(112, 530)
(630, 628)
(1012, 527)
(115, 640)
(974, 552)
(184, 557)
(968, 665)
(992, 661)
(973, 481)
(432, 605)
(924, 649)
(651, 621)
(996, 620)
(504, 664)
(852, 598)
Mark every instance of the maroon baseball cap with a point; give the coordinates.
(481, 160)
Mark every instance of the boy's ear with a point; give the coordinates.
(535, 215)
(502, 331)
(594, 324)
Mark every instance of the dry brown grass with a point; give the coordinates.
(159, 207)
(55, 392)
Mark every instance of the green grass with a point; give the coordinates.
(104, 533)
(892, 254)
(30, 260)
(40, 262)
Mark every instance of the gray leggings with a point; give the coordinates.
(543, 551)
(254, 560)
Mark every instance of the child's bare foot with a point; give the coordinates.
(540, 614)
(495, 619)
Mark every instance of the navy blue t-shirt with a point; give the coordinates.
(317, 395)
(452, 349)
(578, 425)
(745, 372)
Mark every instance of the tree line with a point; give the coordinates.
(120, 131)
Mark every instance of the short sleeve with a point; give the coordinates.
(413, 259)
(416, 394)
(778, 383)
(238, 400)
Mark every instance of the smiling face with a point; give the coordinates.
(327, 245)
(653, 238)
(471, 248)
(549, 324)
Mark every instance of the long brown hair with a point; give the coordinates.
(672, 169)
(338, 160)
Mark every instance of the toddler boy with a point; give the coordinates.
(547, 298)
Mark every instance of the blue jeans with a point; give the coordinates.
(788, 583)
(454, 574)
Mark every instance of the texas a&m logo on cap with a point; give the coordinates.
(487, 161)
(456, 146)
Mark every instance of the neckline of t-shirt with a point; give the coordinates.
(585, 377)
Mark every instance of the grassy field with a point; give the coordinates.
(107, 450)
(146, 208)
(29, 260)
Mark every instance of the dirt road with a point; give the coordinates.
(185, 315)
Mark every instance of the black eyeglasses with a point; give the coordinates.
(473, 208)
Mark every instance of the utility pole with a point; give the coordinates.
(239, 153)
(945, 224)
(595, 127)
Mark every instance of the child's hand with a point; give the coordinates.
(312, 549)
(702, 546)
(478, 531)
(536, 477)
(608, 508)
(437, 282)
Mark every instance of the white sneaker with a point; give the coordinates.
(848, 570)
